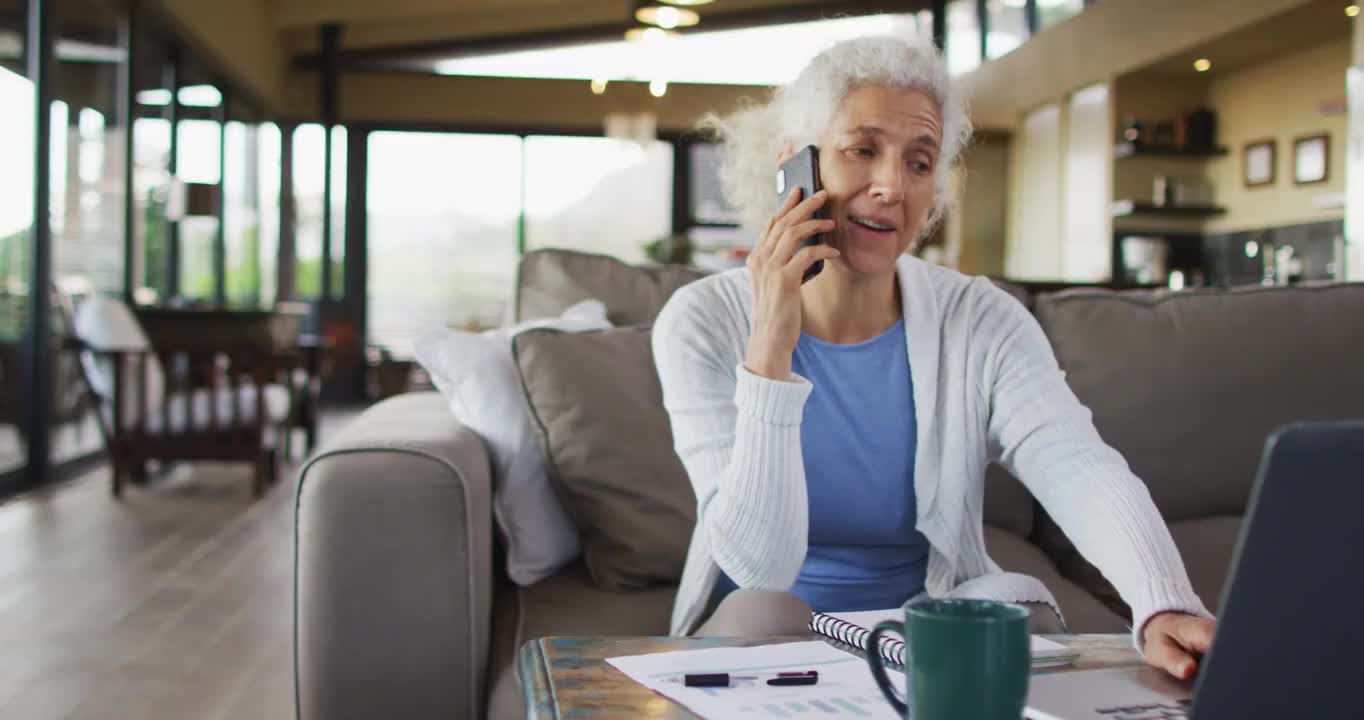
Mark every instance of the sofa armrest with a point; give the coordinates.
(393, 576)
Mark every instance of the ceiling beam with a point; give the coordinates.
(311, 13)
(409, 54)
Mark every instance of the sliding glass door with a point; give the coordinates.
(16, 223)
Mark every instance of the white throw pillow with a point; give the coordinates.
(478, 378)
(105, 323)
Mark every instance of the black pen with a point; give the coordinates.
(714, 680)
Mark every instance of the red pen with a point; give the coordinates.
(713, 680)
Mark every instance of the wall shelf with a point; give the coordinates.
(1127, 149)
(1126, 208)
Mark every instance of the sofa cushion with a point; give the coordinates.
(475, 374)
(1207, 546)
(598, 407)
(550, 280)
(566, 604)
(1188, 386)
(1083, 613)
(1008, 504)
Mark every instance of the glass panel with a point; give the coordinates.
(708, 202)
(242, 233)
(198, 162)
(1050, 12)
(442, 240)
(151, 169)
(16, 220)
(1008, 27)
(963, 36)
(577, 188)
(87, 153)
(918, 26)
(309, 152)
(87, 159)
(269, 145)
(338, 247)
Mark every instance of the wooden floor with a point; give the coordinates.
(174, 602)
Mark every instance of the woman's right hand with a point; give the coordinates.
(777, 265)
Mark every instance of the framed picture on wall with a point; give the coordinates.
(1311, 159)
(1258, 163)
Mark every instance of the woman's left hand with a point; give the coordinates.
(1176, 641)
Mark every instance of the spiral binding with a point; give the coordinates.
(892, 649)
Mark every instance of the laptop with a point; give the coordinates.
(1290, 636)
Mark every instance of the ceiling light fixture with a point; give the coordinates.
(658, 87)
(599, 86)
(666, 16)
(1202, 65)
(648, 34)
(1351, 10)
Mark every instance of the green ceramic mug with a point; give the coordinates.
(965, 660)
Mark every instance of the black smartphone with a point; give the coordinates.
(802, 171)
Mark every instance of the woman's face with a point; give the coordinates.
(877, 160)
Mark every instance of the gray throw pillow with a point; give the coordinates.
(596, 402)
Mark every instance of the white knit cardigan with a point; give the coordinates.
(986, 386)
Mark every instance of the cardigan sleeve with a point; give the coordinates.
(738, 435)
(1047, 439)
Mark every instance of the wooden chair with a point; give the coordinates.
(197, 401)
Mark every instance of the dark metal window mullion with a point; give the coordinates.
(172, 78)
(940, 24)
(38, 336)
(983, 22)
(220, 236)
(127, 107)
(682, 172)
(329, 36)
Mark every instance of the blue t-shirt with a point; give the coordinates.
(858, 440)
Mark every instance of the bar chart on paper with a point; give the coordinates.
(847, 707)
(845, 687)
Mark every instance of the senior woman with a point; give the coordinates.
(837, 431)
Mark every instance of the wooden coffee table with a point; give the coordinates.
(567, 677)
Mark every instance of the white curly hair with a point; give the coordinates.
(801, 110)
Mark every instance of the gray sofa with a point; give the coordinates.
(402, 608)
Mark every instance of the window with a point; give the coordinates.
(708, 203)
(309, 175)
(1051, 12)
(1008, 23)
(87, 162)
(442, 238)
(198, 162)
(16, 221)
(151, 183)
(597, 194)
(717, 242)
(151, 169)
(963, 36)
(309, 154)
(269, 146)
(338, 248)
(241, 234)
(87, 152)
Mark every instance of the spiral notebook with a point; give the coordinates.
(853, 628)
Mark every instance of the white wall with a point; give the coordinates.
(1087, 223)
(1280, 99)
(1034, 249)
